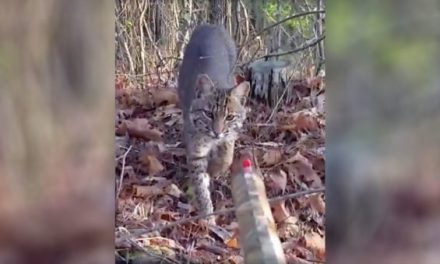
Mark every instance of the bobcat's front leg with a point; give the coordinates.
(221, 158)
(197, 159)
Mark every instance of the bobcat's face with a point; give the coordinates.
(218, 113)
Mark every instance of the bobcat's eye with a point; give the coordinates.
(230, 117)
(208, 114)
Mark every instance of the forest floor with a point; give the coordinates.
(288, 144)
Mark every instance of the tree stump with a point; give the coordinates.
(268, 81)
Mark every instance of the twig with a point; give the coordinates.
(276, 106)
(295, 195)
(228, 210)
(160, 258)
(289, 18)
(246, 34)
(127, 50)
(237, 18)
(276, 24)
(121, 175)
(158, 53)
(306, 46)
(318, 32)
(143, 8)
(260, 44)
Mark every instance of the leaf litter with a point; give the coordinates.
(289, 149)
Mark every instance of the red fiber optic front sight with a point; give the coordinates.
(246, 163)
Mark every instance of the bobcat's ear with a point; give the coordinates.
(241, 91)
(204, 85)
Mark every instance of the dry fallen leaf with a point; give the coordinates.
(300, 165)
(153, 165)
(213, 247)
(234, 260)
(316, 243)
(161, 242)
(271, 157)
(145, 100)
(163, 96)
(280, 212)
(129, 173)
(317, 203)
(121, 145)
(233, 243)
(147, 190)
(289, 228)
(303, 120)
(140, 127)
(279, 180)
(166, 216)
(287, 224)
(173, 190)
(221, 232)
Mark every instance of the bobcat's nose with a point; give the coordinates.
(218, 135)
(217, 128)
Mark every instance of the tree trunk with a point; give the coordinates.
(218, 11)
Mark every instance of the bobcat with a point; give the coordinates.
(213, 108)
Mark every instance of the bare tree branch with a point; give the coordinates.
(306, 46)
(289, 18)
(274, 25)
